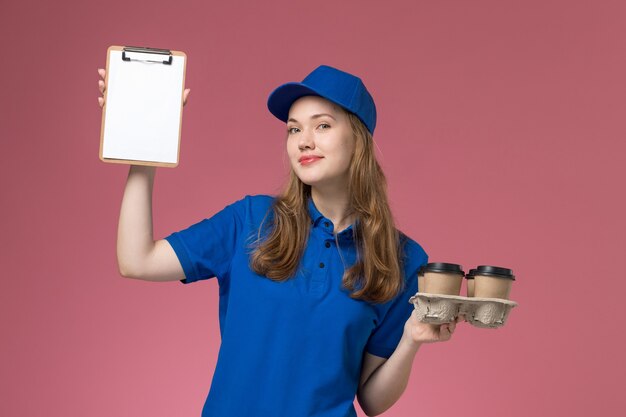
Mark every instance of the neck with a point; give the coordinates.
(334, 205)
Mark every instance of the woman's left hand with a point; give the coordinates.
(420, 332)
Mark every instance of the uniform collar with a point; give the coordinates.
(314, 213)
(318, 221)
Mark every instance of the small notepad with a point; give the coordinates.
(142, 115)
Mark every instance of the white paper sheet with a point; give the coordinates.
(143, 108)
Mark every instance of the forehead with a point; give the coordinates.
(308, 105)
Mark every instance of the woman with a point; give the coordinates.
(314, 283)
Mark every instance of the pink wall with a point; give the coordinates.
(501, 130)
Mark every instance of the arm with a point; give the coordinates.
(138, 255)
(384, 380)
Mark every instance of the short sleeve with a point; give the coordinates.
(387, 334)
(206, 248)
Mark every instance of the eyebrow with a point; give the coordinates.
(315, 116)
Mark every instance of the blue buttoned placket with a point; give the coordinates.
(335, 254)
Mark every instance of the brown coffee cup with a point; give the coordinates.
(469, 279)
(493, 282)
(443, 278)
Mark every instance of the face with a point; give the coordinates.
(320, 142)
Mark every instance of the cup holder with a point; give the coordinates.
(487, 313)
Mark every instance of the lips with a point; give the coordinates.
(308, 159)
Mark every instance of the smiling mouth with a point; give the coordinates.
(309, 160)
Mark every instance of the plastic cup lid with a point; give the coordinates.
(444, 268)
(471, 273)
(495, 271)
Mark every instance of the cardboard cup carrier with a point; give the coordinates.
(487, 304)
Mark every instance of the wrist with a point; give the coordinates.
(409, 344)
(146, 170)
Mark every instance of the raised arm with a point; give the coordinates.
(138, 255)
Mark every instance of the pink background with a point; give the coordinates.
(501, 130)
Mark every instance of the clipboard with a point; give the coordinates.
(143, 108)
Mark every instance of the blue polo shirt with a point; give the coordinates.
(292, 348)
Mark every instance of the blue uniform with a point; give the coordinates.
(293, 348)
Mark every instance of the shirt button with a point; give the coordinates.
(326, 224)
(327, 244)
(321, 264)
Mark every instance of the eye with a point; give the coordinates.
(290, 130)
(324, 124)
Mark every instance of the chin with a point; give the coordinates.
(309, 181)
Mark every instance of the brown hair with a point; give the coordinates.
(377, 274)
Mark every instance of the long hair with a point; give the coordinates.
(376, 276)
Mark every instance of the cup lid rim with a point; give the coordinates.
(443, 267)
(495, 271)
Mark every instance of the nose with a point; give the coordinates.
(306, 140)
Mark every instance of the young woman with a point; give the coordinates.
(314, 283)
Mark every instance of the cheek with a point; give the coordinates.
(292, 154)
(291, 148)
(348, 151)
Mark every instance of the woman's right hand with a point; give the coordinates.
(102, 73)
